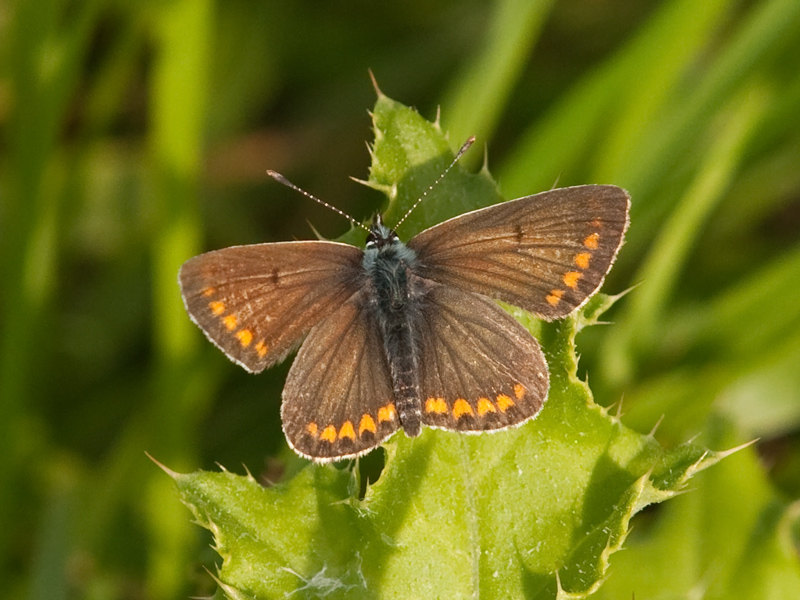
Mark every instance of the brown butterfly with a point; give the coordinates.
(403, 335)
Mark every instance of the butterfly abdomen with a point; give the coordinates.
(395, 299)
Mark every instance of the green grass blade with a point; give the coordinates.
(552, 148)
(474, 104)
(660, 271)
(178, 113)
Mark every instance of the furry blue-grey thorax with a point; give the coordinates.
(384, 246)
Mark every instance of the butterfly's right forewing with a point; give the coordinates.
(546, 253)
(257, 302)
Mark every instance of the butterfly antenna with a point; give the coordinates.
(459, 154)
(281, 179)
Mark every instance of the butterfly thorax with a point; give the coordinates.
(387, 262)
(394, 296)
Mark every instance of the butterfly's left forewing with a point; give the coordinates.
(257, 302)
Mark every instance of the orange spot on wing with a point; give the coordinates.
(245, 336)
(230, 322)
(367, 424)
(347, 431)
(485, 406)
(504, 402)
(328, 434)
(591, 241)
(461, 407)
(519, 391)
(209, 291)
(436, 405)
(582, 260)
(386, 413)
(571, 279)
(554, 297)
(217, 307)
(261, 348)
(312, 428)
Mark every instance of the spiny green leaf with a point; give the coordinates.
(408, 155)
(531, 512)
(712, 543)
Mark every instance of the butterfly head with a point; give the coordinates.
(384, 248)
(380, 236)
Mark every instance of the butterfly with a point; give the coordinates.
(401, 335)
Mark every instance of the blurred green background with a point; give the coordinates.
(137, 134)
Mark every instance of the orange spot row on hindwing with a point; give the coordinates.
(460, 408)
(348, 430)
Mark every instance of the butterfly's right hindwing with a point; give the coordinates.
(479, 369)
(257, 302)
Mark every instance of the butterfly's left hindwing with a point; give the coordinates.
(338, 400)
(257, 302)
